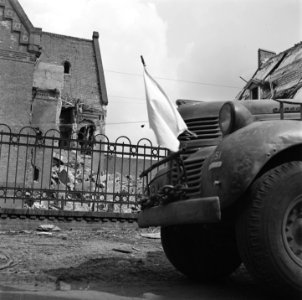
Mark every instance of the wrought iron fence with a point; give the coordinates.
(47, 172)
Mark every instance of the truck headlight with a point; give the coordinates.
(232, 116)
(226, 118)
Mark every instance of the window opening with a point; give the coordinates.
(255, 93)
(86, 138)
(67, 66)
(67, 118)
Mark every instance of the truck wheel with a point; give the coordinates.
(202, 252)
(269, 231)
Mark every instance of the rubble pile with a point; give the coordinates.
(79, 186)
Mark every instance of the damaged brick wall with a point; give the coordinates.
(16, 72)
(81, 85)
(16, 77)
(82, 82)
(15, 163)
(16, 92)
(17, 60)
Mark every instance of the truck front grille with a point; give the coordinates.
(204, 128)
(207, 133)
(192, 169)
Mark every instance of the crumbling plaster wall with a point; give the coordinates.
(48, 84)
(49, 76)
(82, 82)
(16, 79)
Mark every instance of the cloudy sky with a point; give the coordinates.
(195, 49)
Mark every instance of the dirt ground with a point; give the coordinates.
(115, 260)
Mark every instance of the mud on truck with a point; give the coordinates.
(233, 193)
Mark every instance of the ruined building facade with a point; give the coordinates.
(49, 81)
(52, 88)
(277, 75)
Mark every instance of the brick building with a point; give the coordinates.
(278, 75)
(47, 80)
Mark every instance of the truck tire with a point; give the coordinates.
(269, 230)
(202, 252)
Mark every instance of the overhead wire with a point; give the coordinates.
(130, 98)
(176, 80)
(131, 122)
(161, 78)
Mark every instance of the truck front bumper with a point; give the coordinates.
(198, 210)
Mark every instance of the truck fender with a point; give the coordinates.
(240, 156)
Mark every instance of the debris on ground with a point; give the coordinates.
(6, 261)
(62, 286)
(151, 235)
(15, 232)
(121, 250)
(44, 233)
(48, 228)
(25, 231)
(63, 236)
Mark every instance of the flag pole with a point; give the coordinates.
(143, 61)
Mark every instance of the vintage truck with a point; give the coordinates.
(233, 193)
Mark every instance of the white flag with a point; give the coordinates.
(164, 117)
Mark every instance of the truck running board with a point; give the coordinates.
(198, 210)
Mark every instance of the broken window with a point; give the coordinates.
(254, 93)
(67, 119)
(67, 66)
(86, 138)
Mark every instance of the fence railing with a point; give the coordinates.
(45, 172)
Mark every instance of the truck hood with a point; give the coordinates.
(258, 108)
(200, 109)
